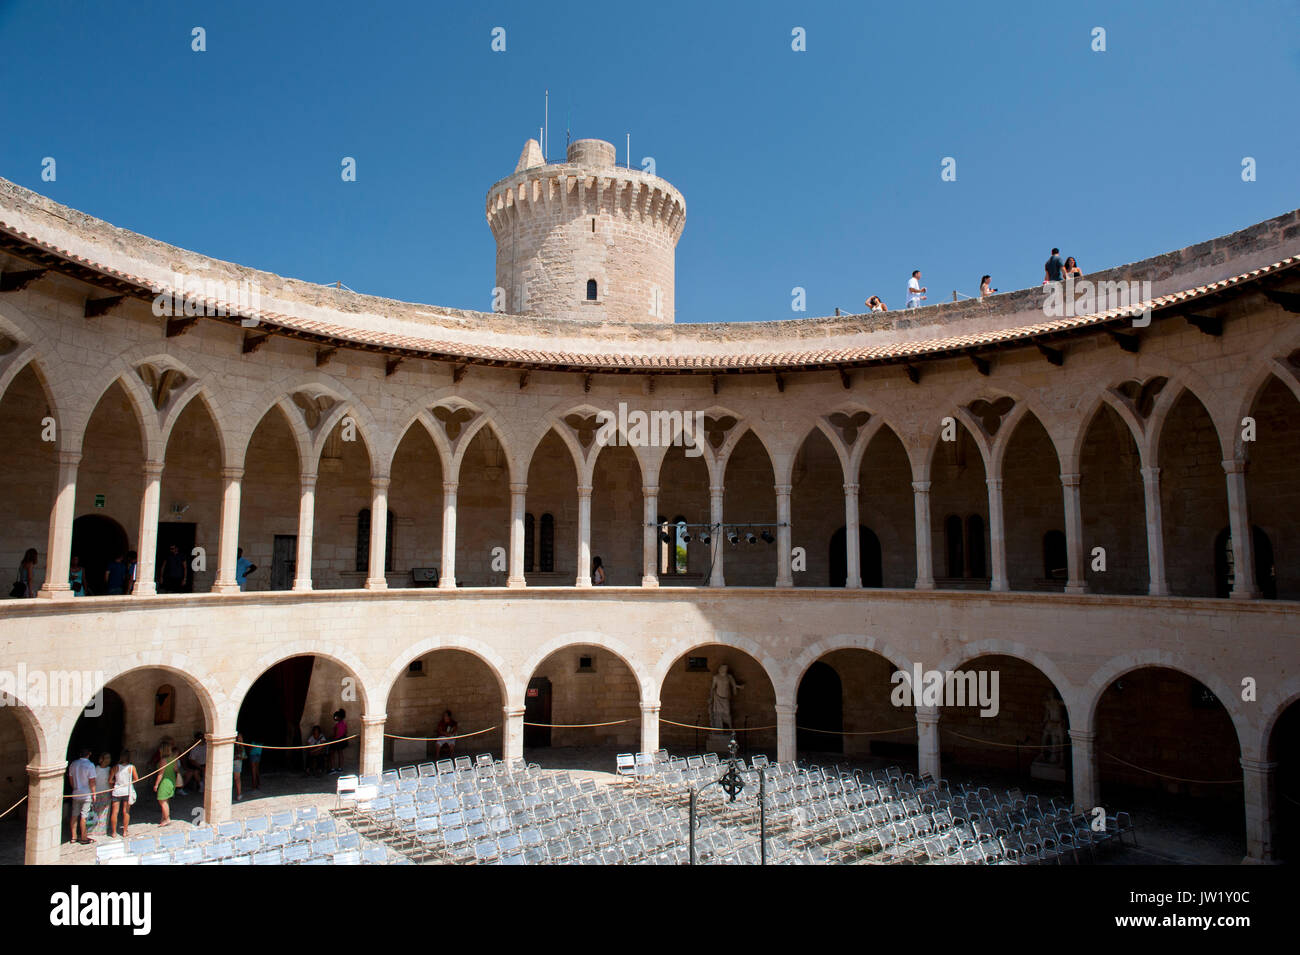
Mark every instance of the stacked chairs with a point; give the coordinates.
(281, 838)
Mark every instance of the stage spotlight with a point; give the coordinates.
(767, 538)
(684, 537)
(705, 538)
(733, 538)
(665, 537)
(750, 538)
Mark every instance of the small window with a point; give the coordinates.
(593, 225)
(416, 668)
(586, 665)
(591, 290)
(164, 705)
(697, 664)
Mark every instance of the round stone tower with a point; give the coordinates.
(586, 238)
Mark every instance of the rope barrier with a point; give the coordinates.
(578, 726)
(719, 729)
(809, 729)
(990, 742)
(425, 739)
(13, 807)
(1198, 782)
(328, 742)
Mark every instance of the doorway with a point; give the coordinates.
(183, 536)
(96, 541)
(284, 561)
(537, 709)
(820, 706)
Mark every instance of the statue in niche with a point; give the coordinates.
(721, 691)
(1053, 729)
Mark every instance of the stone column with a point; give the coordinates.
(787, 736)
(783, 576)
(512, 733)
(306, 528)
(997, 536)
(1076, 583)
(372, 745)
(650, 536)
(852, 547)
(650, 726)
(1243, 542)
(146, 552)
(716, 532)
(376, 580)
(218, 778)
(584, 537)
(1159, 585)
(447, 573)
(1260, 781)
(58, 556)
(46, 812)
(1087, 792)
(518, 501)
(231, 480)
(924, 561)
(927, 741)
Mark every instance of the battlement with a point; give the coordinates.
(586, 238)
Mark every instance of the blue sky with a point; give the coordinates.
(818, 169)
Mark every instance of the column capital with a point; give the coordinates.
(380, 482)
(518, 488)
(1150, 474)
(212, 739)
(232, 474)
(307, 479)
(650, 708)
(69, 458)
(782, 489)
(374, 720)
(584, 490)
(1261, 767)
(994, 483)
(152, 469)
(928, 715)
(852, 488)
(921, 487)
(1083, 737)
(449, 487)
(786, 709)
(649, 490)
(47, 771)
(1235, 466)
(1071, 480)
(513, 712)
(718, 489)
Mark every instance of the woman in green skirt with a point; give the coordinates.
(164, 784)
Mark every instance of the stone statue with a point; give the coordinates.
(1053, 729)
(721, 690)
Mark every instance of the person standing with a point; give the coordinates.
(597, 572)
(316, 755)
(81, 775)
(254, 767)
(77, 578)
(103, 792)
(340, 742)
(237, 766)
(115, 576)
(124, 780)
(915, 290)
(985, 288)
(175, 571)
(23, 586)
(1052, 269)
(1072, 268)
(164, 784)
(446, 729)
(243, 567)
(132, 569)
(876, 305)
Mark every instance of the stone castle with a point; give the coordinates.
(1094, 508)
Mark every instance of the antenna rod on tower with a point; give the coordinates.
(629, 150)
(546, 123)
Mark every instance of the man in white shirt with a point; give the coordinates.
(81, 774)
(915, 290)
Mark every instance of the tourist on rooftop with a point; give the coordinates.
(1052, 269)
(876, 305)
(985, 288)
(915, 290)
(1072, 267)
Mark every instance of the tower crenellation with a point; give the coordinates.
(585, 239)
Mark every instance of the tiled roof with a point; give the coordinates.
(350, 336)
